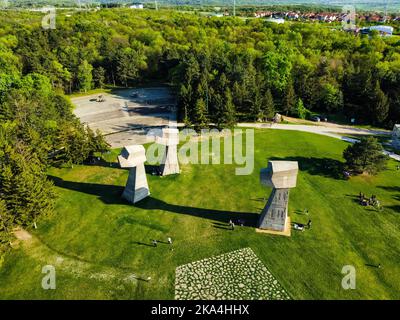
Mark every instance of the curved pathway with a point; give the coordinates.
(328, 129)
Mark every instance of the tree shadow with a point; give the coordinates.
(395, 208)
(111, 194)
(101, 163)
(152, 169)
(324, 167)
(396, 197)
(390, 188)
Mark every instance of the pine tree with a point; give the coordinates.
(85, 76)
(268, 107)
(365, 156)
(238, 94)
(200, 115)
(185, 99)
(99, 76)
(301, 111)
(5, 225)
(256, 110)
(96, 141)
(24, 186)
(379, 105)
(227, 116)
(289, 100)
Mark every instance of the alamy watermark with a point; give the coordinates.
(349, 19)
(349, 280)
(49, 280)
(210, 146)
(49, 20)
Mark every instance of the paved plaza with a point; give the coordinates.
(235, 275)
(126, 115)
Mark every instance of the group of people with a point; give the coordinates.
(302, 227)
(371, 201)
(239, 222)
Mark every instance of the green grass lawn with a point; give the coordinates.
(96, 240)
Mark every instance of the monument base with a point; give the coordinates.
(136, 186)
(286, 232)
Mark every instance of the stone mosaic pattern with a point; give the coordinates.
(235, 275)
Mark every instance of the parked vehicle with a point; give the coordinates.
(316, 119)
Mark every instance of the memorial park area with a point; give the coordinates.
(104, 247)
(125, 115)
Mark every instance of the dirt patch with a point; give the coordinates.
(22, 235)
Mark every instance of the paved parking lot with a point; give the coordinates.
(126, 115)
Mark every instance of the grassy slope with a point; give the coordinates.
(97, 233)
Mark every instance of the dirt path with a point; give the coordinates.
(324, 129)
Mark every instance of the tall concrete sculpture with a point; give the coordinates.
(396, 136)
(281, 176)
(169, 138)
(134, 157)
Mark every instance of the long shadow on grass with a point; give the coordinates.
(390, 188)
(395, 208)
(151, 203)
(393, 189)
(111, 194)
(325, 167)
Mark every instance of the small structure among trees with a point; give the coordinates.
(365, 156)
(396, 136)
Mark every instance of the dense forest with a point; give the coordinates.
(224, 70)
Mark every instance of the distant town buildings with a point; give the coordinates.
(323, 16)
(297, 15)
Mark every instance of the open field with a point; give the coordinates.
(124, 118)
(101, 246)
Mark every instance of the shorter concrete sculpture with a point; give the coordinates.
(170, 139)
(281, 176)
(396, 136)
(134, 157)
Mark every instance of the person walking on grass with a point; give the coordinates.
(169, 241)
(232, 226)
(154, 243)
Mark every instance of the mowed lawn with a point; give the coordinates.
(97, 241)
